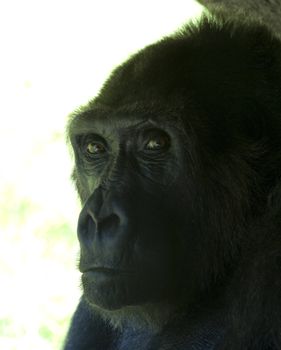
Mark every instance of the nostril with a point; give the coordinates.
(108, 224)
(92, 216)
(86, 229)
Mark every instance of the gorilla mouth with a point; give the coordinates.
(101, 284)
(104, 269)
(102, 273)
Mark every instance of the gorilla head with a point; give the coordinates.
(175, 159)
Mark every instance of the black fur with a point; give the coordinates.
(191, 203)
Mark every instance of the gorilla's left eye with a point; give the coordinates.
(155, 144)
(156, 141)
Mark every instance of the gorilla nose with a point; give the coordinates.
(107, 224)
(103, 215)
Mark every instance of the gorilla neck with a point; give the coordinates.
(149, 317)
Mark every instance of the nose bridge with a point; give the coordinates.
(95, 203)
(117, 175)
(108, 211)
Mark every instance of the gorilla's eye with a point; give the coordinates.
(91, 146)
(95, 148)
(155, 144)
(156, 141)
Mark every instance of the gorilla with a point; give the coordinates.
(178, 168)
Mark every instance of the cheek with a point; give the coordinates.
(157, 237)
(92, 182)
(85, 185)
(158, 175)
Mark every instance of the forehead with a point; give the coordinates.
(93, 120)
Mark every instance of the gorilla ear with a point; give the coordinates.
(252, 123)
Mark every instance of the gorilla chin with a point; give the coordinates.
(111, 289)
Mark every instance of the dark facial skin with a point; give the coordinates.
(129, 225)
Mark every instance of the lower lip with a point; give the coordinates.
(104, 273)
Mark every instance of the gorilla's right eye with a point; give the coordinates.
(95, 148)
(91, 146)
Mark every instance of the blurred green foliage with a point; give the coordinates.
(38, 275)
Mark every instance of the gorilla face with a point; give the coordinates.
(132, 179)
(171, 165)
(145, 232)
